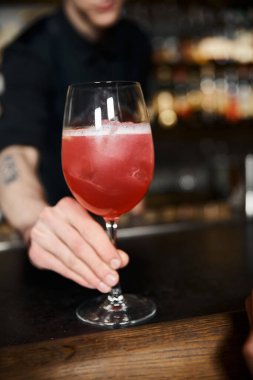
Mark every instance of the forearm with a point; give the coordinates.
(21, 194)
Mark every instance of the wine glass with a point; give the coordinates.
(108, 162)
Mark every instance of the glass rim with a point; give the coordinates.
(104, 84)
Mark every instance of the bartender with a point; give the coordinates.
(85, 40)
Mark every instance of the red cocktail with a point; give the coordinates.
(108, 173)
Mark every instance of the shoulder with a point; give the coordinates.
(34, 40)
(39, 30)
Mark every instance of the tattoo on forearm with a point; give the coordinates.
(8, 170)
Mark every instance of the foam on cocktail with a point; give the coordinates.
(108, 128)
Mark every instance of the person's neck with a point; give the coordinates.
(80, 22)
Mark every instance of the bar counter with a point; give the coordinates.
(198, 275)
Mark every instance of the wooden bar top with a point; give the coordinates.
(197, 348)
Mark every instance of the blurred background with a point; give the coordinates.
(200, 104)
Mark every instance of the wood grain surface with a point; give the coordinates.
(206, 347)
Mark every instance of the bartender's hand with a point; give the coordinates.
(67, 240)
(64, 238)
(248, 346)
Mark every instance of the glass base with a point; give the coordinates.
(130, 311)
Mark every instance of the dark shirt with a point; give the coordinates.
(38, 67)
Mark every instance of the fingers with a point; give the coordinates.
(81, 249)
(124, 258)
(90, 231)
(63, 261)
(44, 260)
(68, 249)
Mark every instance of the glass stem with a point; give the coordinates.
(111, 229)
(115, 296)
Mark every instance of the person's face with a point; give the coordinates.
(99, 13)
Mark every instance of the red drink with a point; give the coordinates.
(108, 170)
